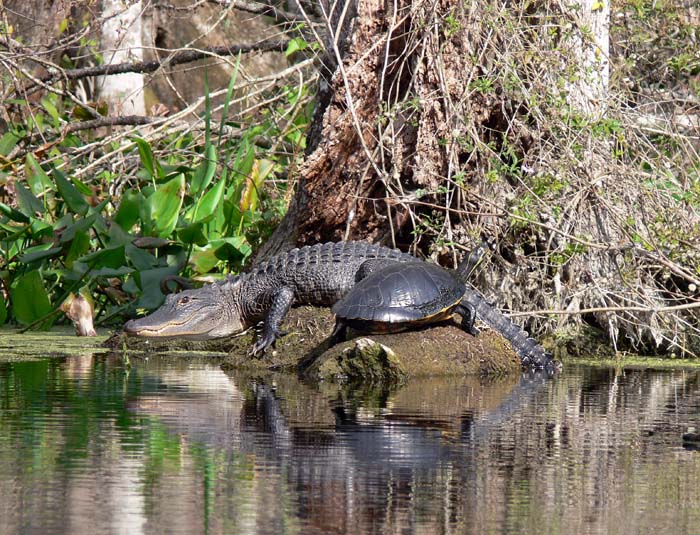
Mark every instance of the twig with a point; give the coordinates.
(182, 56)
(560, 312)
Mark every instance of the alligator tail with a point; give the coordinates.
(532, 354)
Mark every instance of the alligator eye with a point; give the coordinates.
(183, 300)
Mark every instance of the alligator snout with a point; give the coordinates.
(130, 327)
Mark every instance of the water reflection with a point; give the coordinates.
(88, 445)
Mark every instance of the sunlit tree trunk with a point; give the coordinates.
(122, 39)
(592, 36)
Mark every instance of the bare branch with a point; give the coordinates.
(182, 56)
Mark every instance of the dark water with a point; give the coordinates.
(88, 445)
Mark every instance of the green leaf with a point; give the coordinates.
(206, 205)
(233, 248)
(38, 180)
(149, 162)
(81, 225)
(13, 214)
(295, 45)
(149, 282)
(193, 234)
(112, 257)
(111, 272)
(27, 200)
(164, 205)
(82, 187)
(79, 245)
(72, 197)
(204, 259)
(3, 310)
(30, 301)
(8, 142)
(205, 171)
(51, 110)
(244, 164)
(39, 252)
(128, 212)
(140, 259)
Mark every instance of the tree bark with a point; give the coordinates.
(448, 120)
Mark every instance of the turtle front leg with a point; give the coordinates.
(468, 313)
(339, 333)
(281, 303)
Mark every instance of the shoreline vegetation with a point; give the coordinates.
(572, 148)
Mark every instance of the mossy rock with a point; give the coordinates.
(437, 350)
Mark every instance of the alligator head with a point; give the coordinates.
(201, 314)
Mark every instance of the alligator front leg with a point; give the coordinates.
(281, 303)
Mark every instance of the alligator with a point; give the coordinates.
(312, 275)
(319, 274)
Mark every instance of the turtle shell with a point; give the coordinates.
(403, 293)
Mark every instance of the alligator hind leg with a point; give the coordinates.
(281, 303)
(468, 313)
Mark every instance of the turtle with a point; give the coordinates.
(400, 296)
(403, 296)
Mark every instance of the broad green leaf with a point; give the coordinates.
(205, 171)
(81, 187)
(204, 259)
(81, 225)
(233, 248)
(39, 252)
(30, 301)
(295, 45)
(27, 200)
(206, 205)
(164, 205)
(71, 196)
(51, 110)
(112, 257)
(8, 141)
(79, 245)
(128, 212)
(140, 259)
(244, 163)
(38, 180)
(13, 214)
(3, 310)
(149, 282)
(193, 233)
(111, 272)
(149, 162)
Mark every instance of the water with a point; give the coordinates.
(89, 445)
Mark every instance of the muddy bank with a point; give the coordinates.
(439, 350)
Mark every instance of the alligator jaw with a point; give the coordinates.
(203, 314)
(171, 329)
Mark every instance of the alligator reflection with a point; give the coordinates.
(351, 460)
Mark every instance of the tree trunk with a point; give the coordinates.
(446, 121)
(123, 39)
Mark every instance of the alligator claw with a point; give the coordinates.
(265, 341)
